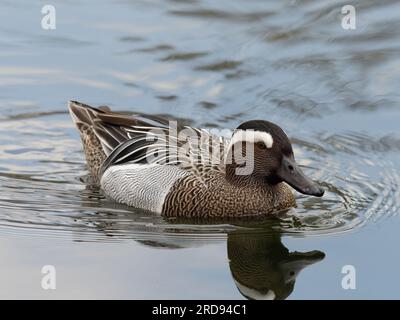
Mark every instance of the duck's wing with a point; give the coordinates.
(142, 138)
(194, 150)
(111, 128)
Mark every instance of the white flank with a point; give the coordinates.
(142, 186)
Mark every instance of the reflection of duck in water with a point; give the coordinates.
(262, 267)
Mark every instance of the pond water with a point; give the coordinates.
(212, 64)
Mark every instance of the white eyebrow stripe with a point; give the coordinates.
(252, 137)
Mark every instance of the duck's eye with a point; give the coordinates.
(261, 145)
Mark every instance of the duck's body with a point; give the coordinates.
(221, 198)
(117, 151)
(175, 192)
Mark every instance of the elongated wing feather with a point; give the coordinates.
(142, 138)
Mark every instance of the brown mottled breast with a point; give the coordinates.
(214, 196)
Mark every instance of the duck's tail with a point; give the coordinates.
(98, 137)
(103, 131)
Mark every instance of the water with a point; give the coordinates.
(212, 64)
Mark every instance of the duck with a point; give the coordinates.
(160, 165)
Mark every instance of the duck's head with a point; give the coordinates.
(271, 156)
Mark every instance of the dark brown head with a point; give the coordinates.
(262, 149)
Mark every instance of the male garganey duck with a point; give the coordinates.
(145, 162)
